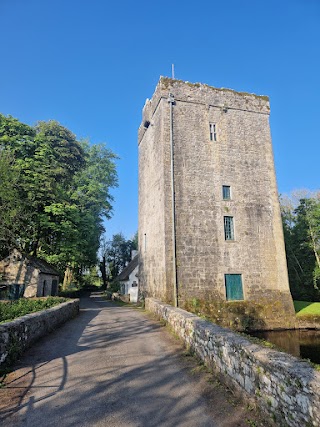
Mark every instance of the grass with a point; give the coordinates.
(14, 309)
(303, 308)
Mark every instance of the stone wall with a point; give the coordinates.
(288, 389)
(154, 247)
(308, 322)
(17, 270)
(21, 333)
(23, 270)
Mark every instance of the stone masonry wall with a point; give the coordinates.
(242, 158)
(18, 335)
(21, 273)
(153, 246)
(287, 388)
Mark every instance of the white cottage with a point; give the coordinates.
(128, 278)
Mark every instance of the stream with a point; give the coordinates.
(304, 343)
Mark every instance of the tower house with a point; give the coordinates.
(210, 231)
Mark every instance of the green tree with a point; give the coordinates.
(116, 254)
(16, 144)
(80, 221)
(301, 223)
(62, 188)
(11, 211)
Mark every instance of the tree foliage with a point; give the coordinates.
(54, 193)
(301, 224)
(116, 254)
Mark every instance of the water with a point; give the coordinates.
(301, 343)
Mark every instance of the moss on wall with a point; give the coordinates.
(238, 315)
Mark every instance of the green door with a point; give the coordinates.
(234, 290)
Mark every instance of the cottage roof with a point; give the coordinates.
(40, 264)
(124, 275)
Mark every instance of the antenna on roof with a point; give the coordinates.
(172, 71)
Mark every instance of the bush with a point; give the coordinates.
(73, 293)
(114, 287)
(10, 310)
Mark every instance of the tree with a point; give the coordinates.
(91, 195)
(16, 143)
(307, 232)
(11, 212)
(62, 187)
(116, 254)
(301, 223)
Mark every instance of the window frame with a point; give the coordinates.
(228, 226)
(213, 132)
(229, 192)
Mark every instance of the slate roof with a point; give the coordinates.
(42, 265)
(125, 273)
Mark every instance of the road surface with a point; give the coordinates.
(115, 366)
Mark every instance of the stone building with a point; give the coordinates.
(210, 230)
(29, 276)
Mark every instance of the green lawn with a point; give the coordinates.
(307, 308)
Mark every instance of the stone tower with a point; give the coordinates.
(210, 231)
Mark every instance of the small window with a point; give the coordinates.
(213, 132)
(226, 194)
(228, 228)
(234, 288)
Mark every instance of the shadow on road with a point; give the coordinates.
(138, 383)
(137, 386)
(21, 380)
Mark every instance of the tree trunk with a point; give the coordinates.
(103, 272)
(314, 246)
(68, 278)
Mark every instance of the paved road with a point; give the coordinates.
(111, 366)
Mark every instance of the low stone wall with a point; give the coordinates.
(308, 322)
(18, 335)
(287, 388)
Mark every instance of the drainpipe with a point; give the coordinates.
(173, 208)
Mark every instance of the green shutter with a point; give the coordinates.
(234, 288)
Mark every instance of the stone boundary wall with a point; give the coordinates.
(21, 333)
(310, 322)
(287, 388)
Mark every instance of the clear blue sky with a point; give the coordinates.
(91, 65)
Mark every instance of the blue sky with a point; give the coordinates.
(91, 65)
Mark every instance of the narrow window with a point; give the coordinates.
(228, 228)
(234, 288)
(213, 132)
(226, 192)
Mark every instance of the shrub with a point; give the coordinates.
(13, 309)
